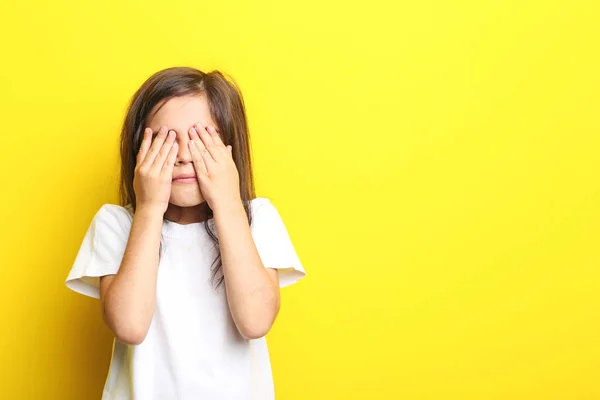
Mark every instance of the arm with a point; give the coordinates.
(252, 290)
(128, 298)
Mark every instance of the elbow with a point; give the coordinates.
(130, 335)
(256, 318)
(255, 330)
(125, 330)
(259, 325)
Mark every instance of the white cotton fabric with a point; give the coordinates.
(193, 349)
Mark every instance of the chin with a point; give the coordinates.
(187, 197)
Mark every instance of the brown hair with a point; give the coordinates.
(227, 109)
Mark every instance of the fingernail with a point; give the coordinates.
(193, 130)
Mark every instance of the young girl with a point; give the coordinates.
(188, 269)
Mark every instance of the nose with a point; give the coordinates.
(183, 153)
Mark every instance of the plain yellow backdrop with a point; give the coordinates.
(436, 163)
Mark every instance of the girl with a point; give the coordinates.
(188, 269)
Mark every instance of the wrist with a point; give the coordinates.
(149, 212)
(230, 207)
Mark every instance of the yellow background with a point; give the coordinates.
(436, 163)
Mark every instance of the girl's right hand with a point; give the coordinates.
(154, 170)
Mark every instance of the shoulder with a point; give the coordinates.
(260, 203)
(265, 216)
(114, 216)
(263, 208)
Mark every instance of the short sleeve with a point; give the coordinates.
(273, 242)
(101, 251)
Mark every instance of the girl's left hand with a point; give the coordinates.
(216, 172)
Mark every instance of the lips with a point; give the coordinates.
(185, 178)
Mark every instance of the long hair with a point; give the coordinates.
(227, 109)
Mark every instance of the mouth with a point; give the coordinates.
(185, 178)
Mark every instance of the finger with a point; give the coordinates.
(164, 151)
(208, 142)
(144, 146)
(202, 150)
(167, 168)
(194, 135)
(156, 146)
(197, 159)
(216, 137)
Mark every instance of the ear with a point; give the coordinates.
(229, 148)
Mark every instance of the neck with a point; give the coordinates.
(188, 215)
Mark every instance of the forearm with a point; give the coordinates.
(252, 294)
(129, 300)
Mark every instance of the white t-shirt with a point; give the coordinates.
(193, 349)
